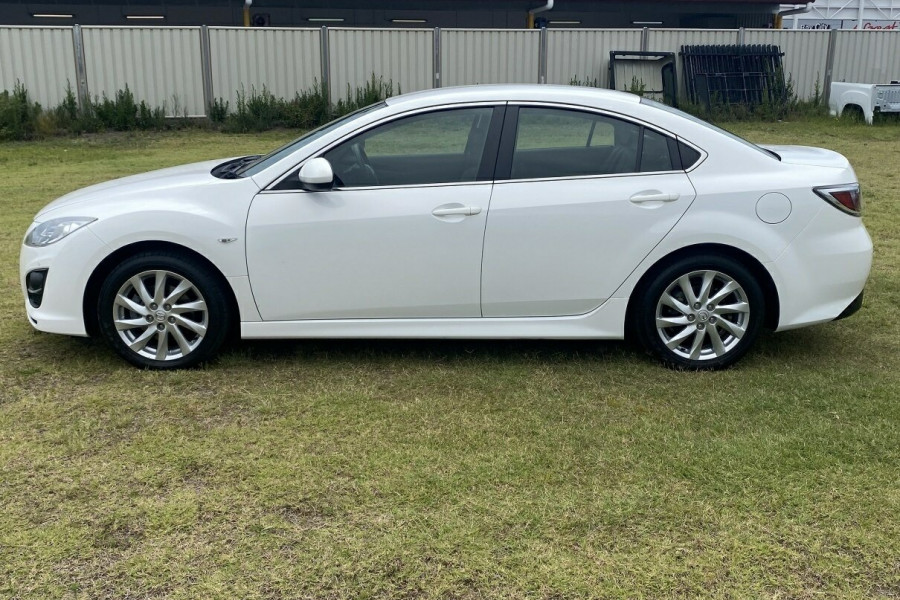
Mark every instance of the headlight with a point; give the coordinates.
(54, 230)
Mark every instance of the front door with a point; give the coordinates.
(400, 235)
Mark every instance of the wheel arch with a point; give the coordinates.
(105, 267)
(762, 275)
(852, 109)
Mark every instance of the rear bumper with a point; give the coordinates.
(853, 308)
(821, 275)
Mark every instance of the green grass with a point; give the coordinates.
(358, 469)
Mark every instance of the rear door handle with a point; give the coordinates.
(654, 196)
(467, 211)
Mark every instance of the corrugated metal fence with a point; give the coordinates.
(185, 68)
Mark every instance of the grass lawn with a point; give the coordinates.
(359, 469)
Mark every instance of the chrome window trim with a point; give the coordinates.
(587, 177)
(382, 187)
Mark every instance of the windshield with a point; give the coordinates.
(708, 125)
(273, 157)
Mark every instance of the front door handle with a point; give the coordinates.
(653, 196)
(467, 211)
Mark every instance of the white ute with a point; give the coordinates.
(869, 98)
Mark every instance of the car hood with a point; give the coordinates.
(143, 184)
(808, 155)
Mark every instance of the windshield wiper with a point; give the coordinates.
(230, 169)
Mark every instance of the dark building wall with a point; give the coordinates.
(358, 13)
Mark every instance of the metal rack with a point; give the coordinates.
(736, 74)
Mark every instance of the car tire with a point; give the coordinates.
(700, 313)
(163, 311)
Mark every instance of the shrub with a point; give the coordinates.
(309, 108)
(375, 90)
(18, 115)
(119, 113)
(637, 87)
(150, 118)
(218, 111)
(254, 112)
(595, 82)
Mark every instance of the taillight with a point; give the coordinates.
(845, 197)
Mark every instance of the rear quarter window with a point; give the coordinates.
(689, 156)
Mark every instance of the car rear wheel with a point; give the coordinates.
(163, 311)
(700, 313)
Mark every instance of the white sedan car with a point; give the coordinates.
(479, 212)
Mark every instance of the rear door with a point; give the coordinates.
(580, 199)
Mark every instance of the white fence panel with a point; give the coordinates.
(805, 55)
(583, 54)
(42, 58)
(161, 66)
(489, 56)
(404, 57)
(671, 40)
(867, 56)
(283, 61)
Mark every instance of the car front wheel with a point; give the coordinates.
(163, 311)
(700, 313)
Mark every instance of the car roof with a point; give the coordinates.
(568, 94)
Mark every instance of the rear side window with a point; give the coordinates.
(655, 154)
(555, 142)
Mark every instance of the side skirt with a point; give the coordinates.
(606, 322)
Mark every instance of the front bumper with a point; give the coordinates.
(69, 264)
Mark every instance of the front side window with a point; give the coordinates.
(273, 157)
(438, 147)
(555, 142)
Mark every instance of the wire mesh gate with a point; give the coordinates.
(735, 74)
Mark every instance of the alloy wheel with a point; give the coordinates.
(702, 315)
(160, 315)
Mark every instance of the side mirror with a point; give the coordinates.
(316, 175)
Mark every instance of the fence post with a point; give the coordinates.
(436, 46)
(326, 65)
(542, 57)
(740, 37)
(81, 83)
(206, 69)
(829, 65)
(645, 38)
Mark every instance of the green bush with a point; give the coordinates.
(595, 82)
(150, 118)
(67, 110)
(119, 113)
(375, 90)
(18, 115)
(22, 119)
(256, 111)
(218, 111)
(309, 108)
(259, 110)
